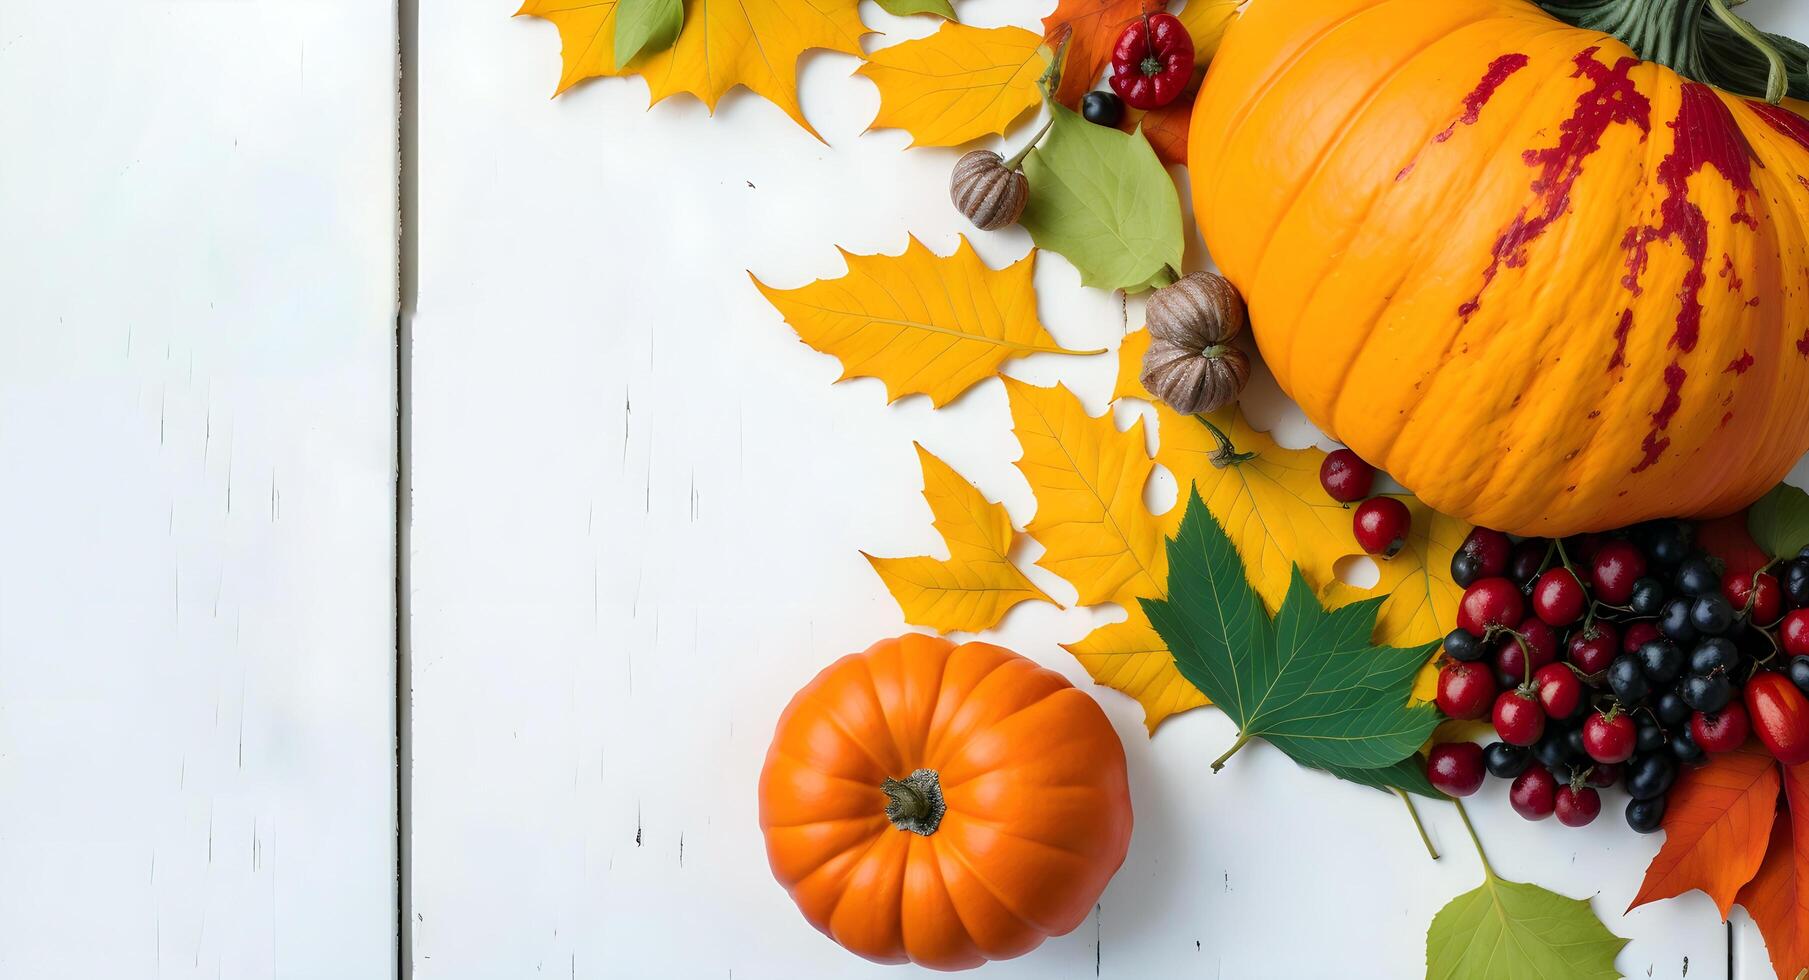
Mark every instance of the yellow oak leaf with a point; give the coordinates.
(1088, 479)
(974, 588)
(1131, 657)
(724, 43)
(921, 323)
(958, 84)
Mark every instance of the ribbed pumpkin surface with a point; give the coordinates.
(1547, 286)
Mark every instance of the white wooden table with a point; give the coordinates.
(637, 503)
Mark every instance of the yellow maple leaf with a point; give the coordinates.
(724, 43)
(1131, 657)
(958, 84)
(1088, 479)
(1274, 510)
(921, 323)
(974, 588)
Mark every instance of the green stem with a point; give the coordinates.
(1701, 39)
(1226, 454)
(1017, 159)
(1417, 825)
(1219, 763)
(1487, 868)
(1777, 78)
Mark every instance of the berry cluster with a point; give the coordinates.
(1380, 523)
(1616, 658)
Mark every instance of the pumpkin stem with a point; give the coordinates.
(915, 802)
(1225, 455)
(1723, 49)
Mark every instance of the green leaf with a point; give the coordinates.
(1779, 522)
(1508, 930)
(1308, 683)
(1102, 200)
(646, 26)
(905, 8)
(1407, 775)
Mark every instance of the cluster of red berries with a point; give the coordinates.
(1616, 658)
(1380, 523)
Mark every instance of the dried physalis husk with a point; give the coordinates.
(1200, 310)
(1191, 380)
(991, 194)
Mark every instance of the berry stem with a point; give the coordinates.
(1564, 558)
(1487, 868)
(1219, 763)
(1417, 824)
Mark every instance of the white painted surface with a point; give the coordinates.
(637, 512)
(196, 531)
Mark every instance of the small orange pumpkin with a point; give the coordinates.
(942, 804)
(1547, 285)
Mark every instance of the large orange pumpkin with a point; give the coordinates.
(1548, 286)
(943, 804)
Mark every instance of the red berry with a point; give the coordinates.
(1381, 526)
(1518, 718)
(1604, 774)
(1560, 692)
(1455, 768)
(1493, 602)
(1638, 635)
(1577, 807)
(1152, 61)
(1584, 547)
(1465, 690)
(1614, 569)
(1521, 654)
(1345, 477)
(1559, 598)
(1722, 731)
(1794, 632)
(1766, 602)
(1491, 551)
(1610, 737)
(1595, 646)
(1534, 794)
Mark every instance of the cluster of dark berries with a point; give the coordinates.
(1617, 658)
(1380, 523)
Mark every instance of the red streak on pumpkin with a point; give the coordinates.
(1498, 72)
(1802, 345)
(1706, 136)
(1782, 120)
(1739, 364)
(1731, 274)
(1611, 99)
(1619, 359)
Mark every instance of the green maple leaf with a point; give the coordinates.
(1308, 682)
(1510, 930)
(1779, 522)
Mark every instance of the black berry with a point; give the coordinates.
(1648, 597)
(1712, 614)
(1650, 776)
(1461, 644)
(1707, 694)
(1102, 108)
(1799, 673)
(1696, 577)
(1661, 660)
(1506, 761)
(1628, 681)
(1714, 654)
(1646, 816)
(1671, 709)
(1674, 620)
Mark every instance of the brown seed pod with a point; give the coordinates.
(991, 194)
(1192, 380)
(1200, 310)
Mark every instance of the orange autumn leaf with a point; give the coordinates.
(1166, 130)
(1778, 898)
(1717, 825)
(1096, 25)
